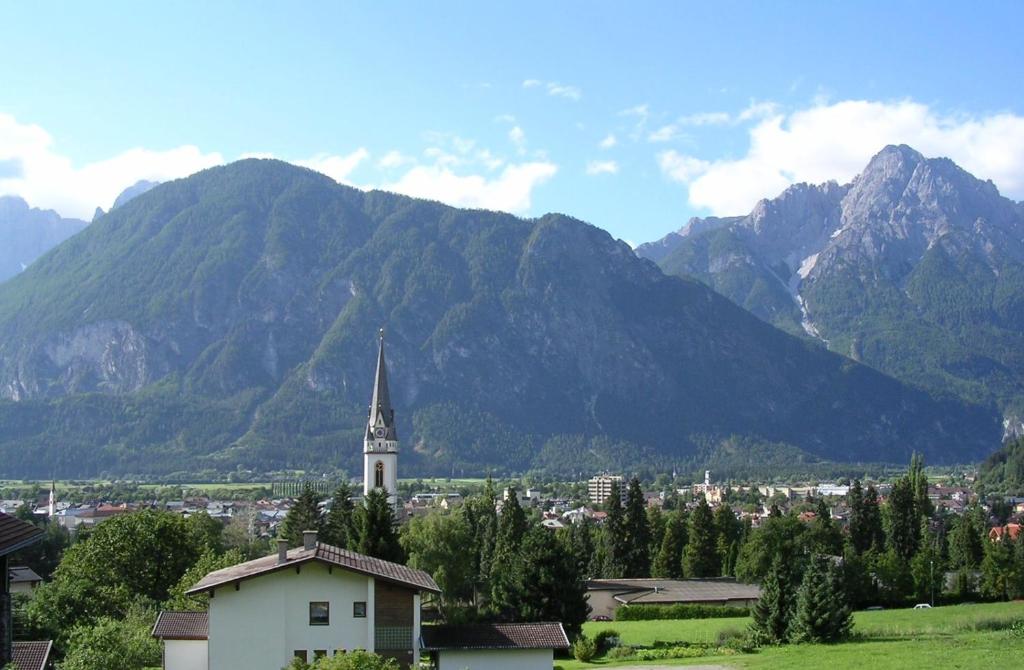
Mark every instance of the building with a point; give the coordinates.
(311, 601)
(380, 448)
(607, 595)
(501, 646)
(23, 579)
(600, 487)
(15, 534)
(32, 655)
(184, 636)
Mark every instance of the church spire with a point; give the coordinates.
(381, 415)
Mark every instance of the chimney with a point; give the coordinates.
(282, 551)
(309, 540)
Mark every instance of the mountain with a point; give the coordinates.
(28, 232)
(228, 320)
(916, 268)
(133, 191)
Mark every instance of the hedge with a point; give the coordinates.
(678, 611)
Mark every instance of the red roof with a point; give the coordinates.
(322, 553)
(31, 655)
(1012, 528)
(182, 626)
(494, 636)
(15, 534)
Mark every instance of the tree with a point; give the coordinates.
(999, 569)
(617, 543)
(636, 532)
(656, 523)
(778, 537)
(377, 536)
(727, 531)
(437, 544)
(774, 609)
(822, 537)
(902, 521)
(353, 660)
(548, 585)
(304, 515)
(482, 520)
(919, 485)
(927, 567)
(178, 601)
(965, 548)
(578, 541)
(700, 558)
(339, 528)
(872, 528)
(669, 560)
(892, 576)
(113, 644)
(42, 557)
(504, 588)
(822, 612)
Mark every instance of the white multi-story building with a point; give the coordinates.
(600, 487)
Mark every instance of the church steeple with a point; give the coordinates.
(381, 415)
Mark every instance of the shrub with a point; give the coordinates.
(1017, 629)
(584, 649)
(678, 611)
(621, 653)
(606, 639)
(670, 652)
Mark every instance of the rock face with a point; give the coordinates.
(229, 320)
(915, 268)
(27, 233)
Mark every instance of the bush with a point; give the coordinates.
(606, 639)
(584, 649)
(621, 653)
(1017, 629)
(670, 652)
(735, 639)
(678, 611)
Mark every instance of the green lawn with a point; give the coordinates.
(959, 636)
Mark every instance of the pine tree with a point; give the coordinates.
(304, 515)
(822, 612)
(579, 544)
(727, 531)
(700, 559)
(669, 560)
(377, 535)
(860, 539)
(873, 532)
(919, 484)
(617, 549)
(997, 569)
(774, 609)
(902, 524)
(656, 524)
(339, 527)
(548, 586)
(965, 548)
(927, 567)
(823, 537)
(483, 522)
(504, 602)
(637, 534)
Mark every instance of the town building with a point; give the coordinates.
(23, 579)
(501, 646)
(380, 448)
(15, 534)
(600, 487)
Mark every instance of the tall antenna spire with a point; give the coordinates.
(381, 414)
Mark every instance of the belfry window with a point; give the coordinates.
(378, 475)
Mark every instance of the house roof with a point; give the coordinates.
(21, 573)
(181, 626)
(322, 553)
(663, 591)
(31, 655)
(494, 636)
(15, 534)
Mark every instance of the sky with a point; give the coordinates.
(631, 116)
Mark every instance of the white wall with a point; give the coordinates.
(260, 625)
(22, 587)
(185, 655)
(496, 659)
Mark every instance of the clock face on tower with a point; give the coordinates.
(380, 432)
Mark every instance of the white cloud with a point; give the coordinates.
(44, 178)
(835, 141)
(531, 83)
(705, 119)
(641, 111)
(556, 89)
(602, 167)
(505, 118)
(394, 159)
(517, 137)
(608, 142)
(337, 168)
(510, 191)
(758, 110)
(666, 133)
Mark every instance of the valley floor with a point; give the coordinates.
(959, 636)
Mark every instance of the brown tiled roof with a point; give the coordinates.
(494, 636)
(323, 553)
(181, 626)
(15, 534)
(31, 655)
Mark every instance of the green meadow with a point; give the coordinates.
(956, 636)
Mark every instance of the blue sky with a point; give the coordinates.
(632, 116)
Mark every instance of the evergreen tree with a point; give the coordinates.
(617, 549)
(727, 530)
(504, 603)
(997, 569)
(927, 567)
(482, 519)
(656, 523)
(339, 527)
(377, 535)
(637, 534)
(773, 611)
(902, 521)
(873, 531)
(823, 537)
(579, 544)
(859, 539)
(822, 612)
(919, 484)
(700, 559)
(548, 586)
(304, 515)
(965, 548)
(669, 560)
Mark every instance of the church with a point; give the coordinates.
(380, 446)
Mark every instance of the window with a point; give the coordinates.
(319, 653)
(378, 475)
(359, 609)
(301, 653)
(319, 614)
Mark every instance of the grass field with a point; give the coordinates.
(959, 636)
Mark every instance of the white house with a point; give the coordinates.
(311, 601)
(500, 646)
(184, 637)
(23, 579)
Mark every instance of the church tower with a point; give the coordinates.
(380, 449)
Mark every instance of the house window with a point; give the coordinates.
(319, 653)
(359, 609)
(301, 653)
(378, 475)
(319, 614)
